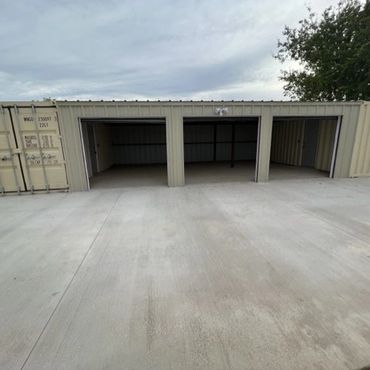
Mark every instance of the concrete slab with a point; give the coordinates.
(196, 173)
(219, 172)
(219, 276)
(128, 176)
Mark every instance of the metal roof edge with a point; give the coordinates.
(199, 102)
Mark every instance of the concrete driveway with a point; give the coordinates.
(219, 276)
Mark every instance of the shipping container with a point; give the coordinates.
(32, 157)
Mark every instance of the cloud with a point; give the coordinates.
(143, 49)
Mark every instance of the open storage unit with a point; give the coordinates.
(222, 148)
(303, 147)
(124, 152)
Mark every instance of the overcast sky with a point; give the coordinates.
(144, 49)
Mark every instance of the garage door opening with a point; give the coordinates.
(303, 147)
(220, 149)
(125, 152)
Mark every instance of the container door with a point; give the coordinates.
(11, 179)
(38, 136)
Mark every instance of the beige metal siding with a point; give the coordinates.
(286, 146)
(325, 144)
(264, 145)
(103, 139)
(360, 165)
(175, 149)
(349, 118)
(71, 112)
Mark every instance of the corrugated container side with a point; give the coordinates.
(360, 164)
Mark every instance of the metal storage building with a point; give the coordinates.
(61, 145)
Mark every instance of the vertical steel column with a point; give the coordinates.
(175, 148)
(11, 154)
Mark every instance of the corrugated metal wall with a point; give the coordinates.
(246, 142)
(286, 144)
(288, 137)
(325, 144)
(360, 165)
(146, 144)
(103, 139)
(174, 112)
(140, 144)
(200, 145)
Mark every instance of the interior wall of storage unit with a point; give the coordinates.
(123, 144)
(289, 141)
(139, 144)
(103, 142)
(286, 142)
(208, 142)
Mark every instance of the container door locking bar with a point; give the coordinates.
(16, 110)
(11, 152)
(42, 157)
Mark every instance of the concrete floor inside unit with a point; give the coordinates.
(128, 176)
(284, 172)
(216, 276)
(195, 173)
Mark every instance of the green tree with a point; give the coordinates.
(333, 54)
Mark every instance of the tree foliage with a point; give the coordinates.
(332, 52)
